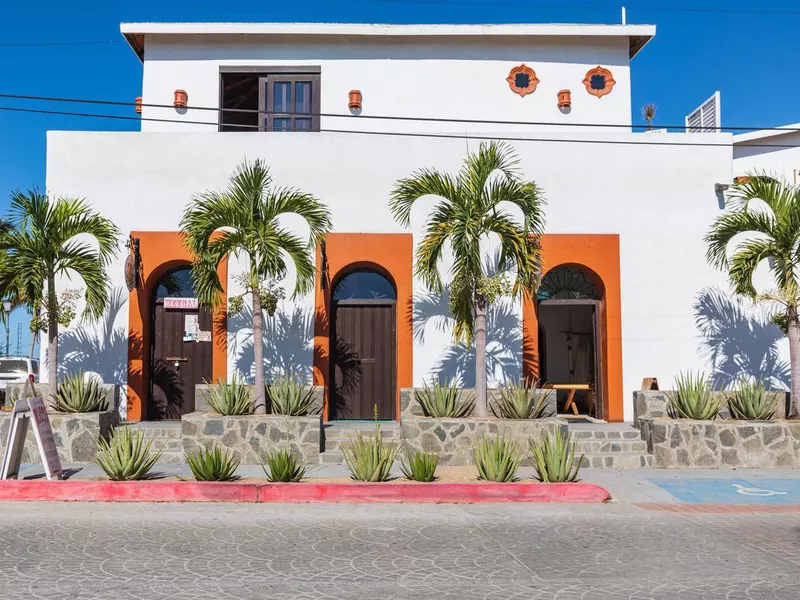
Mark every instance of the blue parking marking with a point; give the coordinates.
(732, 491)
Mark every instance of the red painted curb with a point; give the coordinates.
(194, 491)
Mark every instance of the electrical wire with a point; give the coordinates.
(391, 117)
(466, 136)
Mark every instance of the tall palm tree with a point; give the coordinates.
(772, 234)
(243, 219)
(48, 240)
(470, 209)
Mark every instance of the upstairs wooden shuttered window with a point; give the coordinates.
(705, 118)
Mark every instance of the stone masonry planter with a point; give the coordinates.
(410, 407)
(249, 437)
(677, 443)
(201, 405)
(653, 404)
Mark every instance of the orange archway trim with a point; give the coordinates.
(599, 253)
(160, 252)
(389, 252)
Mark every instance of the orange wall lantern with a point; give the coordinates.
(564, 99)
(354, 102)
(181, 99)
(138, 108)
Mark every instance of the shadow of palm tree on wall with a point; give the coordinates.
(503, 340)
(739, 341)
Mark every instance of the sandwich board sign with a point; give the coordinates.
(25, 410)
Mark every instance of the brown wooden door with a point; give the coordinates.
(363, 364)
(176, 365)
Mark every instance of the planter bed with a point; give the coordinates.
(249, 437)
(391, 492)
(677, 443)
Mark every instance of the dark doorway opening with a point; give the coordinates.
(180, 347)
(363, 347)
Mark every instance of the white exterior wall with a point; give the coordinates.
(659, 199)
(767, 155)
(461, 79)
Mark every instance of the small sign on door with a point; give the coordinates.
(191, 325)
(181, 303)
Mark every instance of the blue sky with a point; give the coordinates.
(750, 57)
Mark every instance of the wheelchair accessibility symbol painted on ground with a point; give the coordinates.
(732, 491)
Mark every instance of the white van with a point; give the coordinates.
(16, 369)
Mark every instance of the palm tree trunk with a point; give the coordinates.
(34, 334)
(481, 404)
(794, 362)
(52, 335)
(259, 399)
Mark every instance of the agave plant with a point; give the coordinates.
(692, 398)
(290, 395)
(216, 464)
(420, 466)
(125, 456)
(368, 457)
(497, 458)
(444, 400)
(554, 458)
(77, 395)
(229, 399)
(750, 401)
(283, 466)
(519, 401)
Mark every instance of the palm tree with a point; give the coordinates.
(649, 114)
(470, 209)
(772, 234)
(243, 219)
(47, 240)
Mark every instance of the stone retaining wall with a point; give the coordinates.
(201, 405)
(454, 439)
(75, 435)
(410, 406)
(653, 405)
(43, 390)
(250, 437)
(677, 443)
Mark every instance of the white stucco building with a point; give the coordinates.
(626, 211)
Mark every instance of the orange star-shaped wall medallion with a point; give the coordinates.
(522, 80)
(599, 82)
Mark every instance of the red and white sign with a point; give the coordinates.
(44, 437)
(181, 303)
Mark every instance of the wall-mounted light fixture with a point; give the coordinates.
(181, 99)
(138, 108)
(564, 99)
(354, 100)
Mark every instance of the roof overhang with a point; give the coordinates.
(766, 134)
(638, 35)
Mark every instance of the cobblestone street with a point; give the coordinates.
(393, 551)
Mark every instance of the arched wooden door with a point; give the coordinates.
(180, 347)
(363, 347)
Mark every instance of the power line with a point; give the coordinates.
(44, 44)
(457, 136)
(679, 9)
(462, 121)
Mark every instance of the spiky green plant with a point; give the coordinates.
(692, 398)
(519, 401)
(215, 464)
(126, 456)
(290, 395)
(444, 400)
(282, 466)
(368, 457)
(554, 458)
(420, 466)
(229, 399)
(497, 458)
(750, 401)
(76, 395)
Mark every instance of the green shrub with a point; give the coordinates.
(229, 399)
(518, 401)
(420, 466)
(497, 458)
(368, 457)
(76, 395)
(750, 401)
(554, 458)
(216, 464)
(692, 398)
(445, 400)
(290, 396)
(126, 456)
(283, 467)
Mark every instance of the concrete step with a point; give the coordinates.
(331, 458)
(605, 434)
(617, 460)
(593, 446)
(159, 430)
(339, 433)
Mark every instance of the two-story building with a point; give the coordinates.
(345, 110)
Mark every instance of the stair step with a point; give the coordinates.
(594, 446)
(331, 458)
(617, 460)
(152, 431)
(599, 434)
(339, 434)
